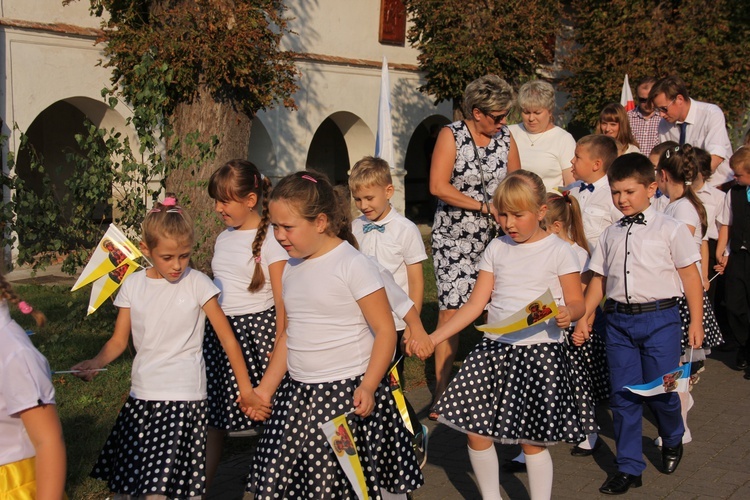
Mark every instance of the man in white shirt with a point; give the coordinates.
(697, 123)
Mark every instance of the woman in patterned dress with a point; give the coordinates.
(470, 159)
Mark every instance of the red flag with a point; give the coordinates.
(626, 96)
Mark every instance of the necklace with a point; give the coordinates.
(538, 136)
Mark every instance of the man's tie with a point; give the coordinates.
(372, 226)
(683, 126)
(584, 187)
(638, 218)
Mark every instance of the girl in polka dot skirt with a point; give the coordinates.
(515, 388)
(157, 445)
(331, 360)
(247, 266)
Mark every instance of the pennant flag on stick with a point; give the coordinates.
(106, 285)
(384, 138)
(113, 250)
(398, 395)
(626, 96)
(675, 380)
(537, 311)
(339, 436)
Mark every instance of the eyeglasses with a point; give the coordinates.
(642, 100)
(664, 109)
(495, 118)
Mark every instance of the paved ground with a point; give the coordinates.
(715, 465)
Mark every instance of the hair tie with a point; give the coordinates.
(688, 183)
(24, 307)
(169, 201)
(257, 259)
(310, 178)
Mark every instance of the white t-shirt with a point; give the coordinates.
(713, 201)
(549, 155)
(233, 268)
(167, 323)
(646, 264)
(523, 272)
(583, 257)
(598, 211)
(632, 148)
(685, 212)
(24, 383)
(328, 338)
(399, 245)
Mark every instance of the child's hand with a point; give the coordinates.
(421, 345)
(719, 268)
(581, 333)
(254, 406)
(695, 334)
(563, 317)
(364, 401)
(84, 370)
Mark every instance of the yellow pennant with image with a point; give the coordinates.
(339, 436)
(398, 395)
(538, 310)
(113, 250)
(107, 284)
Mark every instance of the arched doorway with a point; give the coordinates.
(340, 141)
(260, 148)
(420, 204)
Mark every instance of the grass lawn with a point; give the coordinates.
(88, 410)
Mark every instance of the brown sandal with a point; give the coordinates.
(433, 414)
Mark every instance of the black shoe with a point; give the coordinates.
(670, 458)
(620, 483)
(741, 360)
(746, 376)
(512, 466)
(577, 451)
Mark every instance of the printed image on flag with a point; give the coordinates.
(106, 285)
(113, 250)
(398, 396)
(675, 380)
(339, 436)
(538, 310)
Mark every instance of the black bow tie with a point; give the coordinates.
(638, 218)
(585, 187)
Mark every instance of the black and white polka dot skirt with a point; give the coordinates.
(156, 447)
(590, 362)
(294, 460)
(585, 379)
(711, 332)
(256, 334)
(514, 394)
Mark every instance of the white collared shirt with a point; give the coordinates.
(707, 130)
(640, 261)
(597, 208)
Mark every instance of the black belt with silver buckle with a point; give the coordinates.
(612, 306)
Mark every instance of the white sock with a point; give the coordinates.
(539, 469)
(387, 495)
(589, 442)
(521, 458)
(485, 467)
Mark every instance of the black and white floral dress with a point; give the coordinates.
(460, 236)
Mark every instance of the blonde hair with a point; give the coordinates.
(537, 94)
(740, 160)
(565, 209)
(370, 171)
(487, 93)
(167, 221)
(521, 190)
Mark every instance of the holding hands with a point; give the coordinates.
(87, 370)
(254, 405)
(419, 343)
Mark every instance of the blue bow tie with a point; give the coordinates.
(584, 187)
(658, 194)
(372, 226)
(638, 218)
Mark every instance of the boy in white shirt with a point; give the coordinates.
(639, 264)
(396, 243)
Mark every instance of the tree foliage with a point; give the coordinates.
(461, 40)
(706, 43)
(229, 46)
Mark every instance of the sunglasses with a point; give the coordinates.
(495, 118)
(664, 109)
(642, 100)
